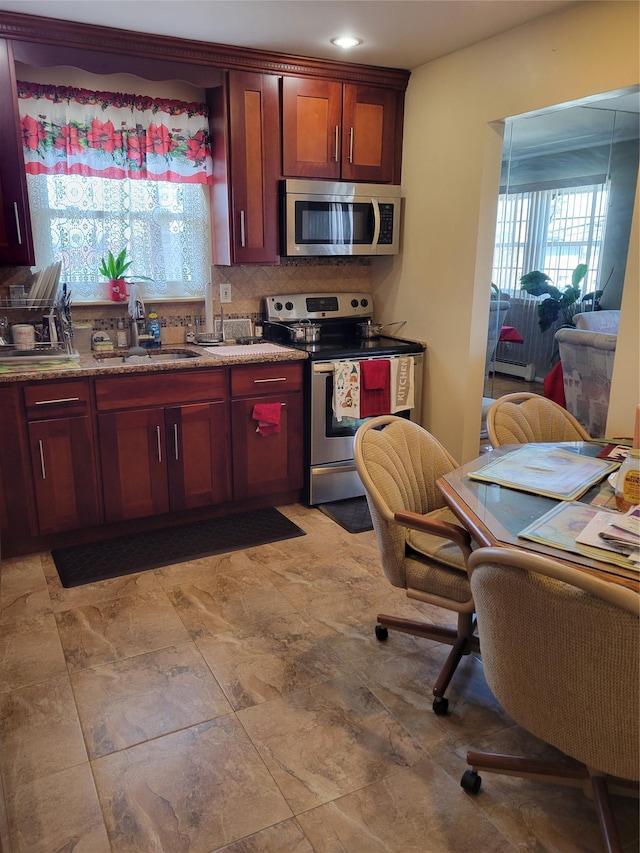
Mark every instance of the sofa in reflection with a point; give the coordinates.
(587, 354)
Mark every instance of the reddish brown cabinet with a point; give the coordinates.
(266, 464)
(246, 139)
(61, 445)
(16, 244)
(341, 131)
(164, 442)
(14, 486)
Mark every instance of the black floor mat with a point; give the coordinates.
(80, 564)
(352, 514)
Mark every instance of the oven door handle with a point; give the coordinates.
(328, 366)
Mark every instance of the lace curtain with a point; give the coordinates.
(107, 171)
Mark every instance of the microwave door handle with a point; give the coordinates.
(376, 222)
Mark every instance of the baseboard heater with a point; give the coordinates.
(515, 368)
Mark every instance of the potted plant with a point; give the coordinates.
(558, 303)
(114, 268)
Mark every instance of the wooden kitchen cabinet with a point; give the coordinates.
(341, 131)
(246, 146)
(62, 455)
(16, 243)
(266, 464)
(164, 443)
(14, 497)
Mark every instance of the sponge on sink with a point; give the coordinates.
(101, 342)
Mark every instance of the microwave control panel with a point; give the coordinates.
(386, 224)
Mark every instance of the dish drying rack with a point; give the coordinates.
(56, 318)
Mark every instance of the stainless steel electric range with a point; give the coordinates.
(330, 473)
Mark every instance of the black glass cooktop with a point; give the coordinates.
(340, 341)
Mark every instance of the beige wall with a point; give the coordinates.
(452, 153)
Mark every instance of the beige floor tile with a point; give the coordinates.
(30, 651)
(133, 700)
(327, 741)
(418, 808)
(195, 790)
(58, 812)
(286, 837)
(212, 605)
(23, 589)
(119, 628)
(39, 732)
(274, 657)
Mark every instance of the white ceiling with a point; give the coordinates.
(395, 33)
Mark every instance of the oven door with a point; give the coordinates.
(332, 439)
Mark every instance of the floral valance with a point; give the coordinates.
(69, 131)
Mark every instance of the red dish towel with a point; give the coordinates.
(375, 390)
(268, 417)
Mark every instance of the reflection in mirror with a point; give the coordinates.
(566, 199)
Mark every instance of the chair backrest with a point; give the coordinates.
(598, 321)
(561, 652)
(524, 417)
(398, 462)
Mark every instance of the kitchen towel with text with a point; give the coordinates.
(346, 389)
(268, 417)
(375, 395)
(402, 384)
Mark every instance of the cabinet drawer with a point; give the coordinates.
(260, 379)
(159, 389)
(57, 399)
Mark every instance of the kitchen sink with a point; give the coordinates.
(149, 357)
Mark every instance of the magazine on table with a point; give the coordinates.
(575, 527)
(552, 472)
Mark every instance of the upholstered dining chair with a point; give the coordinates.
(422, 548)
(524, 417)
(561, 653)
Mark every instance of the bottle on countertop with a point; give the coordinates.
(153, 330)
(628, 478)
(121, 335)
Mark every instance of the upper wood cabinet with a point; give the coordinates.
(246, 143)
(341, 131)
(16, 244)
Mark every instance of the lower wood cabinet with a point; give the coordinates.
(62, 457)
(272, 463)
(166, 457)
(15, 520)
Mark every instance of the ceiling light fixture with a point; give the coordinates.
(346, 41)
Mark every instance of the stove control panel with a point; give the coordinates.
(292, 307)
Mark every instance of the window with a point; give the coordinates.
(552, 230)
(107, 171)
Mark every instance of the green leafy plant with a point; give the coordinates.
(559, 303)
(114, 268)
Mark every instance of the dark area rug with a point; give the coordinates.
(352, 514)
(124, 555)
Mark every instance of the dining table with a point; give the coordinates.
(496, 514)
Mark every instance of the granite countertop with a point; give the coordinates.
(107, 363)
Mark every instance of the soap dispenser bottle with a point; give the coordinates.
(153, 330)
(121, 335)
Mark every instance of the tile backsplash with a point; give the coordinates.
(249, 284)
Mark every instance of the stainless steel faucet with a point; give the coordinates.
(137, 314)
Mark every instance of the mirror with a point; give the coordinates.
(566, 198)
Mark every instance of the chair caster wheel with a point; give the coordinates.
(440, 706)
(471, 781)
(382, 633)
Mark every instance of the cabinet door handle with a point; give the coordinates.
(17, 216)
(175, 442)
(158, 436)
(59, 400)
(351, 145)
(275, 379)
(42, 468)
(336, 153)
(242, 234)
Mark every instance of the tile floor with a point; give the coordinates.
(242, 703)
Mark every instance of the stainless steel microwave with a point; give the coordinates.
(339, 218)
